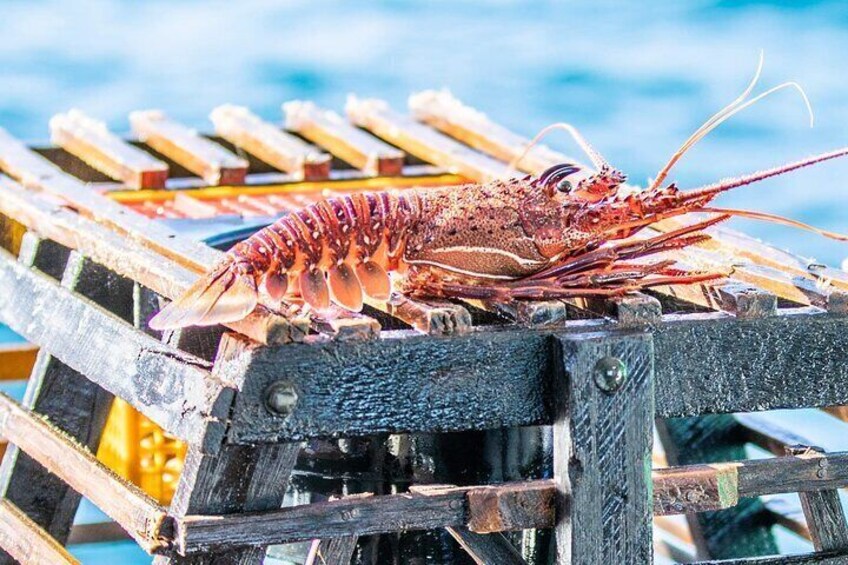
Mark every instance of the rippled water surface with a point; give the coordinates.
(636, 79)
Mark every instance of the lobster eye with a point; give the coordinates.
(564, 186)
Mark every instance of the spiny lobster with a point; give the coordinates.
(565, 233)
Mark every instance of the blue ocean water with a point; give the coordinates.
(636, 77)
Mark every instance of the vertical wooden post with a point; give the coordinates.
(236, 478)
(70, 401)
(822, 510)
(602, 449)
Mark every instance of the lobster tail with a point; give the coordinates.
(224, 295)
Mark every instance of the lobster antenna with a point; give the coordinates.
(597, 159)
(712, 120)
(726, 113)
(664, 173)
(766, 217)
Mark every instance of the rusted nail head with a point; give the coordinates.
(280, 398)
(610, 374)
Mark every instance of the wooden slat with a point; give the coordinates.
(206, 159)
(26, 542)
(422, 141)
(427, 508)
(337, 135)
(532, 313)
(91, 141)
(139, 514)
(241, 127)
(16, 361)
(34, 171)
(441, 110)
(76, 331)
(130, 258)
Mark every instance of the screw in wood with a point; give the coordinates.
(610, 374)
(280, 398)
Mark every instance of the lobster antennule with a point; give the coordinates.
(219, 297)
(706, 192)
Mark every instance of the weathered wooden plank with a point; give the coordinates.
(91, 141)
(206, 159)
(26, 542)
(487, 549)
(341, 324)
(533, 313)
(337, 518)
(34, 171)
(746, 301)
(139, 514)
(441, 110)
(602, 449)
(130, 259)
(16, 361)
(337, 135)
(71, 402)
(349, 388)
(174, 389)
(709, 363)
(422, 141)
(726, 365)
(241, 127)
(428, 507)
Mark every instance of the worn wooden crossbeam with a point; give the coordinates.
(501, 378)
(91, 141)
(206, 159)
(241, 127)
(337, 135)
(140, 515)
(435, 507)
(75, 331)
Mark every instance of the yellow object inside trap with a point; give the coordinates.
(138, 450)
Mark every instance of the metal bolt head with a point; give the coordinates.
(610, 374)
(280, 398)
